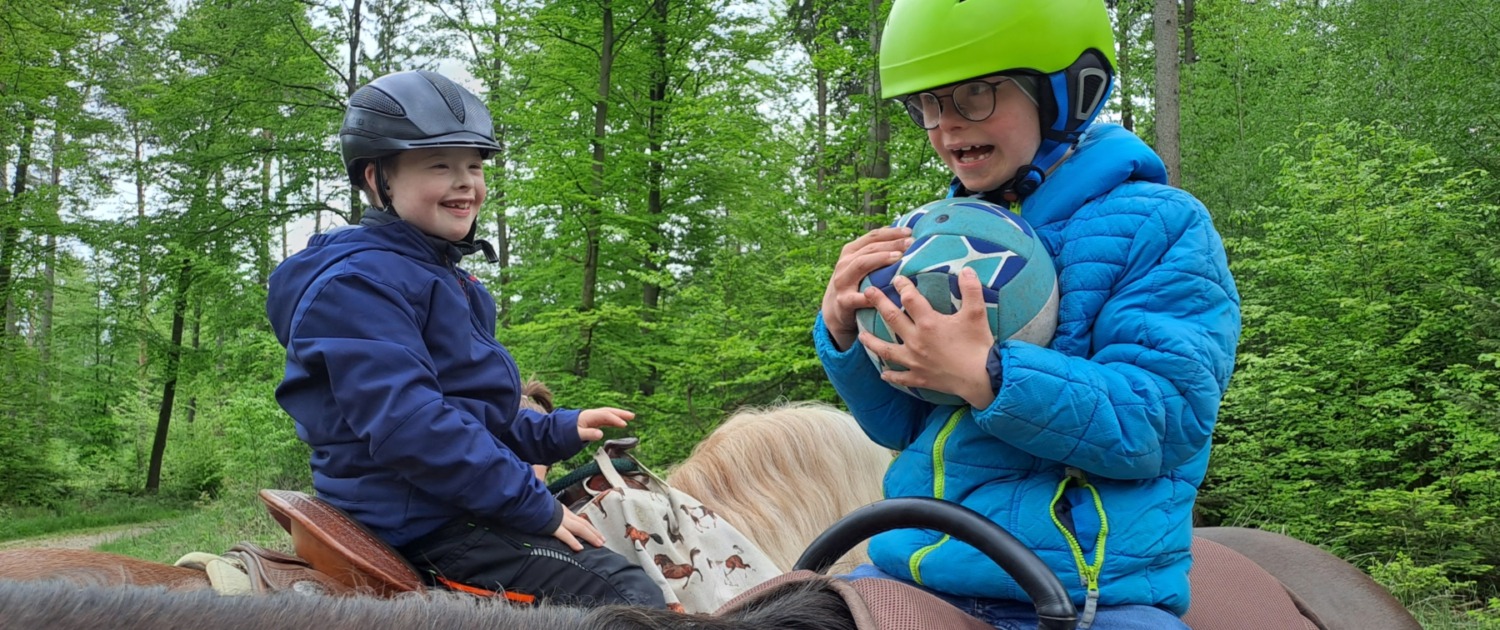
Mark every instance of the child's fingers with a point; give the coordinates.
(971, 292)
(895, 319)
(582, 529)
(887, 351)
(903, 378)
(567, 538)
(590, 434)
(615, 417)
(877, 235)
(912, 300)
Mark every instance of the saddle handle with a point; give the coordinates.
(1054, 608)
(619, 447)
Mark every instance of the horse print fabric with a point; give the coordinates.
(699, 560)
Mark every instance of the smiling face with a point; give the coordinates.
(438, 190)
(986, 154)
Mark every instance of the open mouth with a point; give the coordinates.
(457, 206)
(973, 153)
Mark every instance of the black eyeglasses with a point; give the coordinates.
(974, 100)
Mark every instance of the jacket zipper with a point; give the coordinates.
(938, 487)
(1088, 573)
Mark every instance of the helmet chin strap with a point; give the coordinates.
(383, 189)
(1029, 177)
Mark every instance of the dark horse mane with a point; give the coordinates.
(58, 605)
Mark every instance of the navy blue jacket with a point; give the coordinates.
(395, 380)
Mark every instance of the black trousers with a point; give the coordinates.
(493, 557)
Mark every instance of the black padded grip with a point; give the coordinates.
(1054, 608)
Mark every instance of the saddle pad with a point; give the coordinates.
(874, 604)
(1232, 593)
(336, 545)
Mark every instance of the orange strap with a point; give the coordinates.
(518, 598)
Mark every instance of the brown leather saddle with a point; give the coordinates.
(338, 547)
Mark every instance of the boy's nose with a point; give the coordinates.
(949, 118)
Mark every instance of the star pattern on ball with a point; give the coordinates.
(987, 264)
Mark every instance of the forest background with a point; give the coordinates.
(676, 181)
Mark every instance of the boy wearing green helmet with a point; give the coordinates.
(1089, 450)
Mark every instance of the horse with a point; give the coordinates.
(744, 470)
(1342, 596)
(782, 474)
(65, 605)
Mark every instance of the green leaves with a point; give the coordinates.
(1358, 412)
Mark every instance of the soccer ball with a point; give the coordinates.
(1020, 284)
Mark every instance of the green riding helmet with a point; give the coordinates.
(931, 43)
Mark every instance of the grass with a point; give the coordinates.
(93, 513)
(237, 516)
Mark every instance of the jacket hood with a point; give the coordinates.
(299, 272)
(1107, 156)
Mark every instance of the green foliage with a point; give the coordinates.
(1352, 418)
(171, 147)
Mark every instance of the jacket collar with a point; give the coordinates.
(1107, 156)
(445, 250)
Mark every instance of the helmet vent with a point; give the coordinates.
(449, 91)
(376, 100)
(1091, 88)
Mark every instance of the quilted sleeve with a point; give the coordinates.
(1162, 349)
(891, 418)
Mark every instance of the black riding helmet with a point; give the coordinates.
(412, 110)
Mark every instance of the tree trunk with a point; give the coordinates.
(879, 166)
(1124, 20)
(502, 230)
(49, 275)
(593, 214)
(10, 223)
(142, 289)
(192, 406)
(820, 152)
(169, 388)
(655, 169)
(655, 174)
(1167, 142)
(1189, 56)
(351, 84)
(262, 242)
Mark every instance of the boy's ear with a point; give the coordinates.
(369, 175)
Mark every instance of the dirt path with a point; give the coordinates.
(85, 539)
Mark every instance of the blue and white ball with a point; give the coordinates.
(1019, 281)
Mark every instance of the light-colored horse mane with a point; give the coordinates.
(784, 473)
(536, 396)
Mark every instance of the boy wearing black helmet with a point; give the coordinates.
(395, 380)
(1089, 450)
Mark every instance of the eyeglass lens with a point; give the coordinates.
(975, 101)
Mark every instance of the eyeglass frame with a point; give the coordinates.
(995, 83)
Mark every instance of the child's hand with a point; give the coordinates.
(589, 421)
(575, 528)
(859, 257)
(946, 353)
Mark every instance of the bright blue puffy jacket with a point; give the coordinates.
(1124, 399)
(395, 380)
